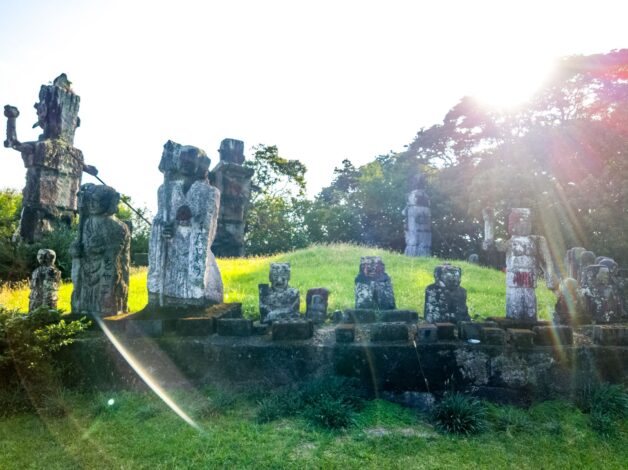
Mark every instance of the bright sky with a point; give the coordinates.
(323, 80)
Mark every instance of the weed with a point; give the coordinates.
(460, 414)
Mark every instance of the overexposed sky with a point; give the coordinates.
(322, 80)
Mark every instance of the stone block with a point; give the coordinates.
(285, 330)
(389, 332)
(150, 328)
(445, 331)
(427, 333)
(260, 328)
(610, 335)
(493, 336)
(345, 334)
(505, 323)
(407, 316)
(234, 327)
(552, 335)
(358, 315)
(195, 326)
(520, 338)
(471, 330)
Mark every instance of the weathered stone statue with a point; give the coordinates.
(316, 304)
(44, 282)
(569, 308)
(474, 258)
(54, 166)
(373, 287)
(601, 298)
(278, 301)
(525, 254)
(418, 220)
(445, 300)
(234, 183)
(100, 254)
(182, 270)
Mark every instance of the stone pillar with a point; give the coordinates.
(418, 219)
(234, 183)
(53, 165)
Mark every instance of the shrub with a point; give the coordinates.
(602, 398)
(459, 414)
(280, 404)
(509, 419)
(329, 412)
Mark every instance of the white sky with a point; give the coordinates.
(322, 80)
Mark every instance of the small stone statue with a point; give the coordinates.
(525, 254)
(100, 255)
(569, 309)
(417, 216)
(54, 167)
(601, 298)
(44, 282)
(373, 287)
(445, 300)
(278, 301)
(182, 270)
(474, 258)
(316, 302)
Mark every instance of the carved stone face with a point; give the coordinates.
(413, 198)
(188, 162)
(520, 222)
(98, 199)
(451, 277)
(371, 266)
(46, 257)
(279, 275)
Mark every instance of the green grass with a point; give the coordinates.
(334, 267)
(138, 431)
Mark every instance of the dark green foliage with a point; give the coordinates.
(459, 414)
(604, 424)
(331, 413)
(137, 222)
(279, 404)
(602, 398)
(509, 419)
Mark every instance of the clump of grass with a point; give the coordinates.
(280, 404)
(331, 413)
(509, 419)
(460, 414)
(605, 403)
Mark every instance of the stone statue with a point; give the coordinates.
(373, 287)
(234, 183)
(569, 309)
(316, 304)
(182, 270)
(417, 216)
(54, 167)
(525, 254)
(278, 301)
(474, 258)
(100, 254)
(445, 300)
(44, 282)
(601, 297)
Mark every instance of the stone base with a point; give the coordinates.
(260, 328)
(493, 336)
(553, 335)
(446, 331)
(161, 321)
(471, 330)
(520, 338)
(389, 332)
(505, 323)
(610, 335)
(363, 315)
(234, 327)
(345, 334)
(427, 333)
(285, 330)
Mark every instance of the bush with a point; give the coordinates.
(602, 399)
(329, 412)
(460, 414)
(509, 419)
(281, 404)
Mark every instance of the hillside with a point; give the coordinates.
(334, 267)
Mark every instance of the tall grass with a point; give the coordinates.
(334, 267)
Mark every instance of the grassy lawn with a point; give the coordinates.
(334, 267)
(137, 431)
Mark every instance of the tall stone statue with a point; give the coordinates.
(278, 301)
(44, 282)
(418, 220)
(445, 300)
(54, 167)
(100, 254)
(182, 270)
(234, 183)
(525, 255)
(601, 297)
(373, 287)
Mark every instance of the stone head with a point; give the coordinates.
(603, 276)
(520, 222)
(371, 266)
(448, 275)
(590, 275)
(96, 199)
(57, 110)
(474, 258)
(232, 150)
(46, 257)
(279, 275)
(610, 263)
(184, 160)
(587, 258)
